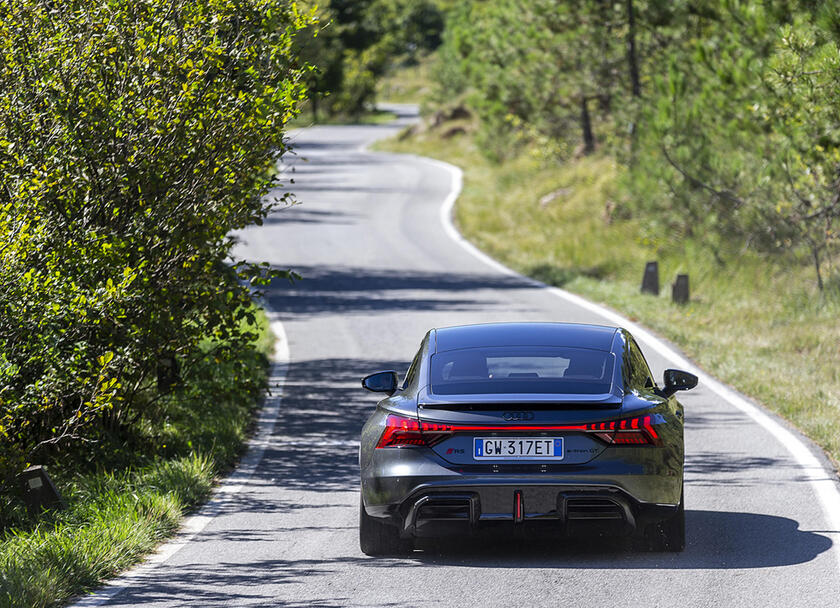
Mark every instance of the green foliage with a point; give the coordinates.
(134, 137)
(531, 67)
(114, 519)
(356, 42)
(749, 133)
(134, 493)
(724, 112)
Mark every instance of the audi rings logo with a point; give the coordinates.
(518, 416)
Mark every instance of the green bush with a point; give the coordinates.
(353, 44)
(133, 493)
(135, 135)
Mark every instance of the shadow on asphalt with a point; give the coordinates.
(717, 540)
(301, 215)
(349, 290)
(742, 470)
(315, 442)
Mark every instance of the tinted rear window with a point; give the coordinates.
(522, 369)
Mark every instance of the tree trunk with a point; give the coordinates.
(586, 125)
(815, 252)
(632, 60)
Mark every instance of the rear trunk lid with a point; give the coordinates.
(559, 418)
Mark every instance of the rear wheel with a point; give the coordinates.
(668, 535)
(378, 538)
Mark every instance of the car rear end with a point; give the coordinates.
(500, 438)
(598, 469)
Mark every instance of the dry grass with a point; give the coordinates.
(407, 84)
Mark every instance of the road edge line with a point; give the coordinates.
(823, 480)
(230, 486)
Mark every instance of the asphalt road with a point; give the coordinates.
(379, 272)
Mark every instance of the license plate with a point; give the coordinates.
(518, 448)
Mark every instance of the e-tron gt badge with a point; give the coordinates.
(518, 416)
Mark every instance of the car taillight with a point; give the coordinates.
(400, 431)
(629, 431)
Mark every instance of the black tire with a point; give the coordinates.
(377, 538)
(668, 535)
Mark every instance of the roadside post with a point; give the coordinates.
(168, 372)
(39, 492)
(679, 289)
(650, 280)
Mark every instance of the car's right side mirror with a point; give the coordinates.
(678, 380)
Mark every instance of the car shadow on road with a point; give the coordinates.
(715, 540)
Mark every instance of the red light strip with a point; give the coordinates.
(445, 428)
(408, 431)
(649, 429)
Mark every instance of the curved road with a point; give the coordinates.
(379, 271)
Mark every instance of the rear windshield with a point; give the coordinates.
(522, 369)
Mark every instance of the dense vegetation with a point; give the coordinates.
(122, 507)
(134, 137)
(722, 114)
(354, 42)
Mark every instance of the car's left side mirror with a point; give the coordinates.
(678, 380)
(381, 382)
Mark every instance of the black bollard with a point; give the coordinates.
(39, 492)
(650, 280)
(679, 289)
(168, 372)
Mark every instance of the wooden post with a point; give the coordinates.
(679, 289)
(650, 280)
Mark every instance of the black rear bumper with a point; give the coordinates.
(565, 510)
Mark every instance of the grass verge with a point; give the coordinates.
(408, 83)
(758, 322)
(119, 511)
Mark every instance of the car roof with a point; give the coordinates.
(598, 337)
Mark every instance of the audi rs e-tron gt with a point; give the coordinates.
(554, 426)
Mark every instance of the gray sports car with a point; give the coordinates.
(553, 426)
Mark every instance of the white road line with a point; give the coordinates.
(222, 495)
(822, 480)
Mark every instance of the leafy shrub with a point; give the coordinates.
(355, 41)
(135, 135)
